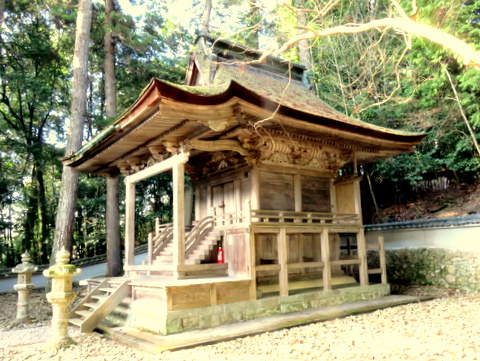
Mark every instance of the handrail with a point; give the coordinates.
(196, 235)
(274, 216)
(159, 240)
(227, 219)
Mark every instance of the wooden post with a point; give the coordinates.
(355, 166)
(297, 187)
(282, 260)
(237, 188)
(327, 271)
(210, 201)
(129, 223)
(112, 220)
(358, 202)
(178, 180)
(150, 249)
(333, 196)
(255, 190)
(198, 202)
(253, 270)
(362, 256)
(381, 257)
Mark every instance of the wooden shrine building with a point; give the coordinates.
(264, 155)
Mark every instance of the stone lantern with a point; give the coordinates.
(60, 297)
(24, 285)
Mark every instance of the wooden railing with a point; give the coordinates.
(159, 239)
(275, 217)
(196, 235)
(223, 220)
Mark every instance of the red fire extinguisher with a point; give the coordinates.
(220, 258)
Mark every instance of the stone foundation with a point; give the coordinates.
(151, 317)
(432, 266)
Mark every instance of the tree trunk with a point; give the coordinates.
(109, 62)
(68, 192)
(43, 217)
(206, 17)
(2, 9)
(114, 256)
(303, 45)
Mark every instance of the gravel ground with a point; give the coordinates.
(447, 328)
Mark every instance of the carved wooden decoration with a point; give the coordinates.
(281, 151)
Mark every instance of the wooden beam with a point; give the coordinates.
(129, 223)
(157, 168)
(178, 180)
(362, 256)
(218, 145)
(327, 270)
(282, 261)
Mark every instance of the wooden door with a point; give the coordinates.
(223, 198)
(218, 202)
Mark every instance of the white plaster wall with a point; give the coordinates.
(462, 238)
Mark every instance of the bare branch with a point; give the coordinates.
(465, 119)
(470, 56)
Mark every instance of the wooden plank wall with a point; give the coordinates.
(236, 252)
(315, 194)
(276, 191)
(345, 195)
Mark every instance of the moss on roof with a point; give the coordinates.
(288, 92)
(204, 90)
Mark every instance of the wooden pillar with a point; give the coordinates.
(237, 189)
(253, 270)
(333, 196)
(178, 180)
(112, 221)
(381, 257)
(255, 190)
(358, 201)
(210, 201)
(129, 223)
(362, 256)
(198, 202)
(327, 271)
(282, 260)
(297, 191)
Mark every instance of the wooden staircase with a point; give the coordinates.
(193, 256)
(199, 242)
(203, 248)
(98, 303)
